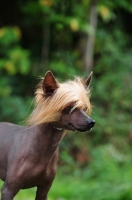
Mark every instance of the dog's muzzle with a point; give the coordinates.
(88, 125)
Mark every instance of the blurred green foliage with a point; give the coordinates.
(94, 165)
(14, 62)
(107, 177)
(14, 59)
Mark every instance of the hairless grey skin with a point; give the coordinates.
(29, 154)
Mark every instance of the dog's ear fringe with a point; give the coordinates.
(48, 109)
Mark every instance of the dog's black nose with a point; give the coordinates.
(91, 124)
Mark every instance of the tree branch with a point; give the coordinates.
(89, 52)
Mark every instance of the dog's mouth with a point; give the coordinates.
(83, 129)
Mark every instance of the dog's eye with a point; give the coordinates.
(69, 107)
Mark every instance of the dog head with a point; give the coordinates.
(65, 105)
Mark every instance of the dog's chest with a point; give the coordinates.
(38, 175)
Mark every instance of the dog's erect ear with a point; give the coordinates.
(88, 80)
(49, 84)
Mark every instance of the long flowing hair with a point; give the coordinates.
(49, 109)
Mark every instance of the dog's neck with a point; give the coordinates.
(49, 136)
(56, 126)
